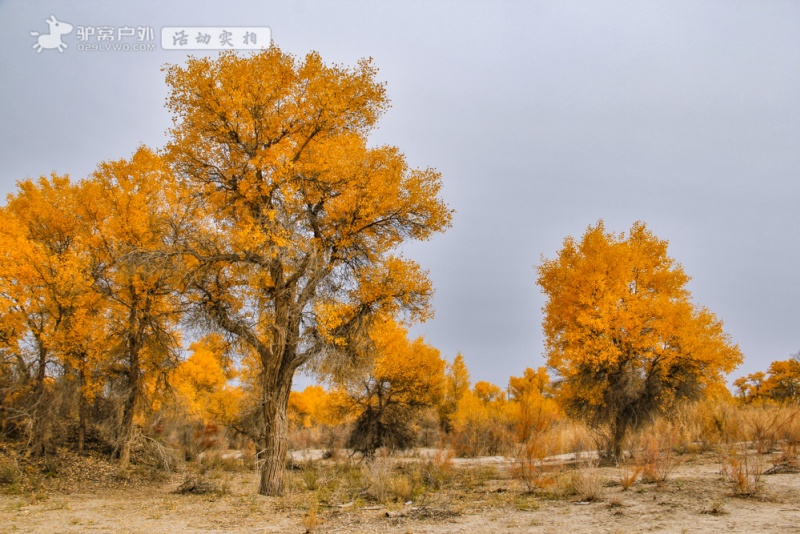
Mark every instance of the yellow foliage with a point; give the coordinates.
(201, 383)
(621, 329)
(399, 378)
(488, 392)
(413, 370)
(534, 409)
(783, 382)
(314, 406)
(481, 427)
(457, 383)
(780, 383)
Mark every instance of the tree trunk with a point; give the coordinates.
(81, 424)
(39, 413)
(272, 459)
(620, 430)
(126, 428)
(81, 411)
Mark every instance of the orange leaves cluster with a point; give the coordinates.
(202, 382)
(414, 370)
(397, 371)
(315, 406)
(780, 383)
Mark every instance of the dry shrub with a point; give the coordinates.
(388, 484)
(312, 477)
(480, 437)
(762, 426)
(529, 467)
(330, 438)
(567, 436)
(744, 470)
(711, 422)
(790, 430)
(389, 427)
(438, 471)
(585, 484)
(481, 428)
(158, 455)
(194, 484)
(629, 476)
(655, 454)
(225, 460)
(9, 471)
(310, 519)
(716, 508)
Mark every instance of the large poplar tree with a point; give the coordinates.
(299, 216)
(623, 333)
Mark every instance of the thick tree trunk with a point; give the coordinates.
(272, 459)
(126, 427)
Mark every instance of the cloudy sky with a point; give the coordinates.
(543, 117)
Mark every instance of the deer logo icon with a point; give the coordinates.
(53, 39)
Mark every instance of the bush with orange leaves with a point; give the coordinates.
(396, 380)
(483, 422)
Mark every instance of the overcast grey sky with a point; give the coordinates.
(543, 117)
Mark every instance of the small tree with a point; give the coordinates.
(457, 384)
(404, 378)
(622, 332)
(534, 408)
(783, 383)
(132, 215)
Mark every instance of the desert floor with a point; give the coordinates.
(481, 495)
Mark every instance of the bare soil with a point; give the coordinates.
(87, 494)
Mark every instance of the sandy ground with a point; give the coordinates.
(695, 498)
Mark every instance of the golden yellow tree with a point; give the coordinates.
(622, 332)
(133, 216)
(534, 408)
(400, 378)
(481, 422)
(783, 380)
(298, 215)
(315, 406)
(457, 384)
(46, 298)
(202, 383)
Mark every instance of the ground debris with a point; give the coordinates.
(783, 468)
(196, 485)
